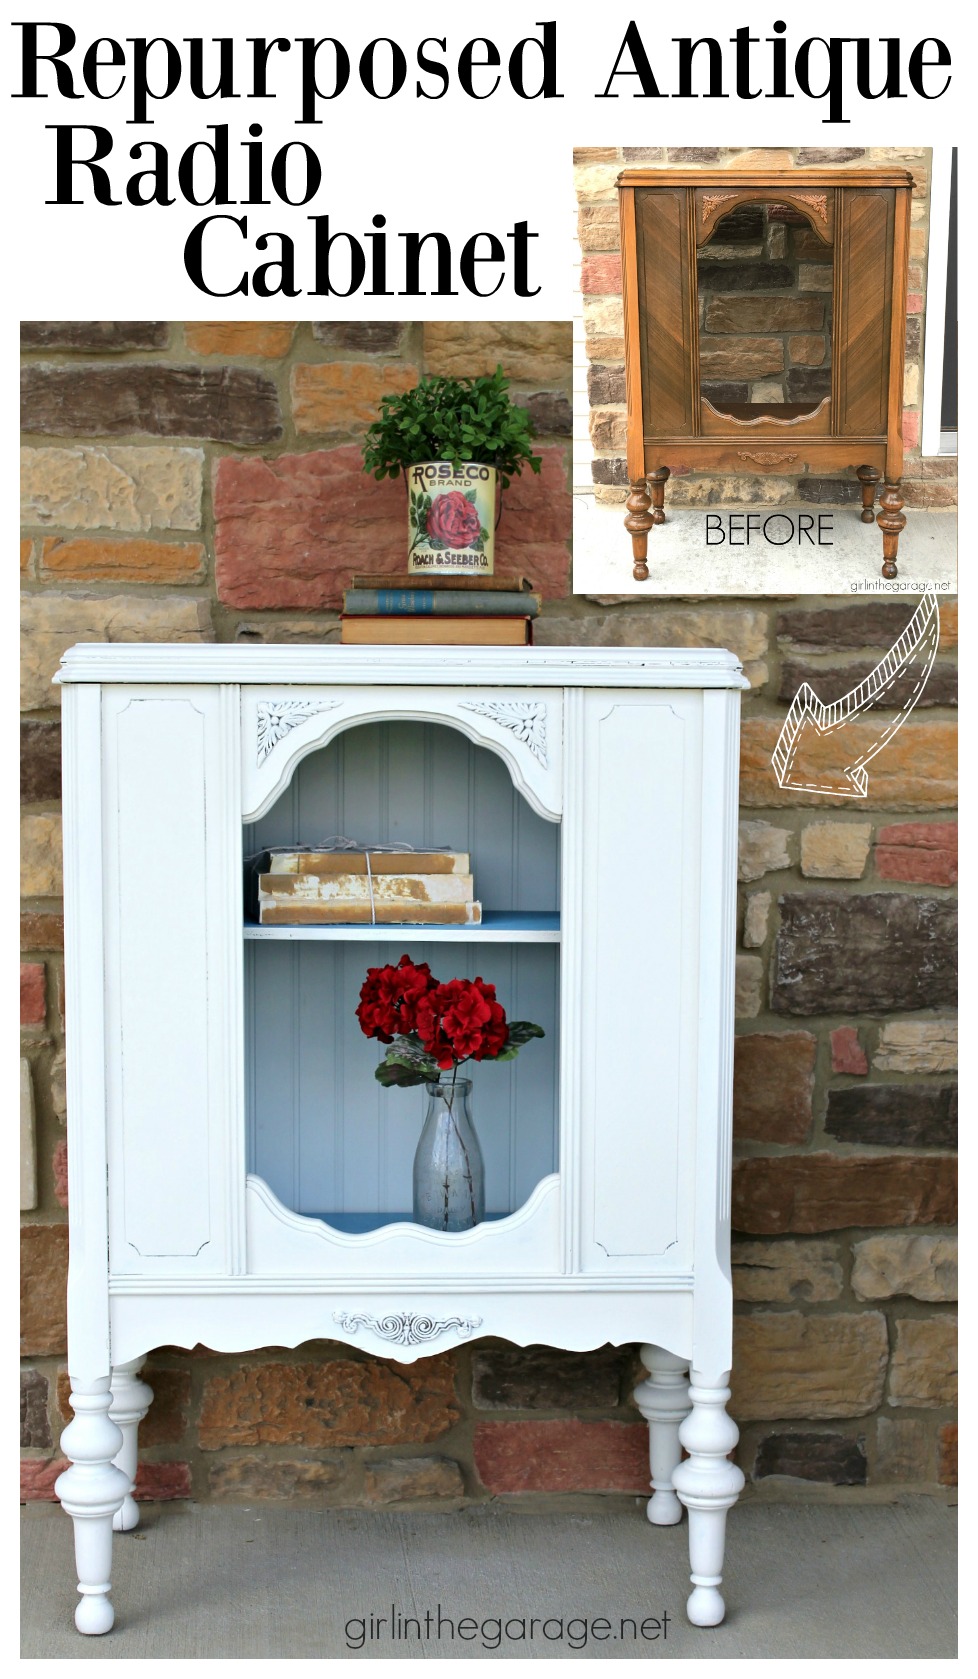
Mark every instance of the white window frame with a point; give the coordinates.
(940, 216)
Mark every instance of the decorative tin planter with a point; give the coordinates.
(451, 518)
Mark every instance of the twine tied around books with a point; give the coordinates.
(342, 842)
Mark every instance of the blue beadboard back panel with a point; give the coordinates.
(321, 1132)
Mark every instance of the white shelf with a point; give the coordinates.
(497, 927)
(364, 1224)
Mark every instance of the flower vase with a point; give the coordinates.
(449, 1176)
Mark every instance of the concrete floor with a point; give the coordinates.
(196, 1581)
(680, 563)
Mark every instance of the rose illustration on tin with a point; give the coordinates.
(454, 520)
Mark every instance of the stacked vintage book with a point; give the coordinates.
(407, 610)
(372, 888)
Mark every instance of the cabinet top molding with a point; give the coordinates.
(781, 179)
(531, 667)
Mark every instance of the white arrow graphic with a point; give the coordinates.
(904, 669)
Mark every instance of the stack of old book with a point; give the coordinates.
(442, 612)
(372, 888)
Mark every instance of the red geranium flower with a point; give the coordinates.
(436, 1025)
(464, 1020)
(430, 1023)
(389, 998)
(495, 1031)
(461, 1019)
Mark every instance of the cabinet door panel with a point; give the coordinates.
(665, 319)
(867, 254)
(172, 954)
(641, 919)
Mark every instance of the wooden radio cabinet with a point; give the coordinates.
(765, 317)
(237, 1176)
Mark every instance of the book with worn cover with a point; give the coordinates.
(502, 582)
(397, 913)
(362, 888)
(434, 632)
(422, 602)
(282, 860)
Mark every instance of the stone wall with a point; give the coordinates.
(200, 482)
(765, 309)
(927, 481)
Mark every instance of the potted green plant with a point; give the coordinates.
(453, 439)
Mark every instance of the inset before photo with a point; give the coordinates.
(769, 355)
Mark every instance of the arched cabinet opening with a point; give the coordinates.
(765, 315)
(764, 284)
(327, 1139)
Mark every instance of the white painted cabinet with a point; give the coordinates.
(229, 1149)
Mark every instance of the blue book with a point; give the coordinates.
(451, 603)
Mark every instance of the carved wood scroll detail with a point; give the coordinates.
(277, 718)
(712, 199)
(405, 1329)
(817, 200)
(526, 719)
(768, 457)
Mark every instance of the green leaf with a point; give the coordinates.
(392, 1075)
(521, 1031)
(406, 1062)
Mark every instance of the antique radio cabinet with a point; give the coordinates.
(765, 324)
(239, 1179)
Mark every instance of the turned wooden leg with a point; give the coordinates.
(663, 1400)
(638, 522)
(92, 1489)
(708, 1484)
(868, 478)
(891, 522)
(657, 484)
(131, 1399)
